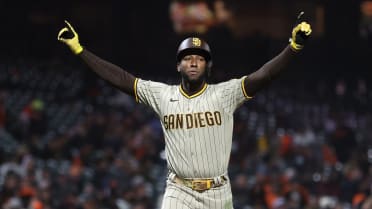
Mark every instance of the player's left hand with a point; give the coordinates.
(300, 34)
(69, 36)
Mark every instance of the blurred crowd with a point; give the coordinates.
(70, 141)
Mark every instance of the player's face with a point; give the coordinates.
(193, 67)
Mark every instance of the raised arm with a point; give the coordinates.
(113, 74)
(269, 71)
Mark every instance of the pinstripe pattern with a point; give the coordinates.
(198, 136)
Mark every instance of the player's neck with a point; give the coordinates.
(191, 88)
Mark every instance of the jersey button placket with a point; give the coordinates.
(188, 108)
(189, 105)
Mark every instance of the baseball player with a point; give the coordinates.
(196, 117)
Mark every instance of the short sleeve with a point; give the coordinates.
(148, 93)
(233, 94)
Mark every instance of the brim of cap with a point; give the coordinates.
(196, 51)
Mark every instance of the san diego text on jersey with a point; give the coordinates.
(192, 120)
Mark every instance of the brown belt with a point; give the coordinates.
(200, 185)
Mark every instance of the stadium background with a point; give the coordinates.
(69, 140)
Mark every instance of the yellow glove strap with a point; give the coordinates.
(295, 47)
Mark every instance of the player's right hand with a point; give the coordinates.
(68, 36)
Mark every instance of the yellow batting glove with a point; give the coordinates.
(73, 41)
(300, 34)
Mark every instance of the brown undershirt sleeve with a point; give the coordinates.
(269, 71)
(111, 73)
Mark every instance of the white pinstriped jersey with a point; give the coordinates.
(198, 128)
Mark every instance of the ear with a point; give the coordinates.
(209, 68)
(210, 64)
(178, 67)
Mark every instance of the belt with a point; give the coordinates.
(199, 184)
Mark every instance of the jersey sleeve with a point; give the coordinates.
(233, 94)
(148, 93)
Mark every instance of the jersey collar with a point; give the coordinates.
(194, 95)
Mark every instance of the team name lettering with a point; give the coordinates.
(192, 120)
